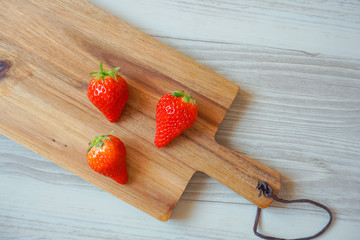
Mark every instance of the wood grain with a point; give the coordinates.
(47, 110)
(298, 111)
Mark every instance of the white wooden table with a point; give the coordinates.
(298, 111)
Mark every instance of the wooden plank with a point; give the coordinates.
(289, 98)
(46, 109)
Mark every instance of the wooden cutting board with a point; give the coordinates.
(47, 49)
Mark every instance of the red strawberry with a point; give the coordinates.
(107, 156)
(109, 92)
(175, 112)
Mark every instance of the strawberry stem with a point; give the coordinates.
(185, 97)
(105, 73)
(99, 141)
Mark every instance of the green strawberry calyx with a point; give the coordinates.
(99, 141)
(105, 73)
(185, 97)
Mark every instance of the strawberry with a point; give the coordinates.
(107, 156)
(109, 92)
(175, 112)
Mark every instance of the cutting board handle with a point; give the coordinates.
(240, 173)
